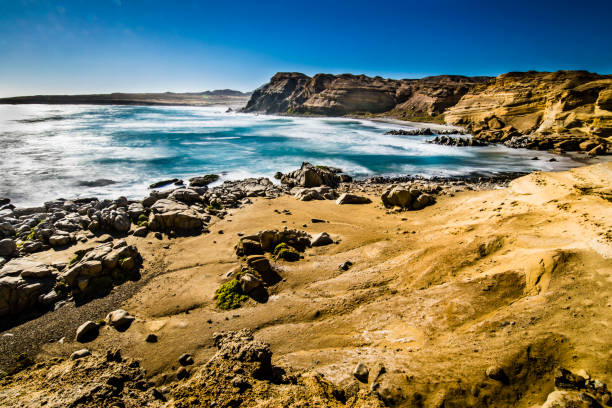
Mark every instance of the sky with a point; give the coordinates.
(100, 46)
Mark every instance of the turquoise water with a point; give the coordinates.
(51, 151)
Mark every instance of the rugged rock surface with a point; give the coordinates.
(572, 104)
(326, 94)
(409, 196)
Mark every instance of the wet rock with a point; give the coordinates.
(203, 180)
(321, 239)
(163, 183)
(347, 198)
(86, 332)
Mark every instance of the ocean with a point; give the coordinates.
(53, 151)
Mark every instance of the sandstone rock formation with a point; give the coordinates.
(568, 103)
(326, 94)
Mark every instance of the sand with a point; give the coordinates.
(517, 278)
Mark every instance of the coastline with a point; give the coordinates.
(471, 248)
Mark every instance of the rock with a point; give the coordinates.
(104, 238)
(566, 380)
(163, 183)
(8, 247)
(141, 232)
(119, 319)
(321, 239)
(184, 220)
(249, 283)
(311, 176)
(86, 332)
(361, 372)
(59, 240)
(151, 338)
(185, 195)
(122, 222)
(135, 210)
(422, 201)
(564, 399)
(259, 263)
(203, 180)
(278, 175)
(397, 196)
(497, 374)
(345, 266)
(347, 198)
(27, 268)
(597, 150)
(80, 354)
(247, 247)
(182, 373)
(185, 359)
(587, 145)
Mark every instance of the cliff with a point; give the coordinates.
(548, 106)
(337, 95)
(575, 104)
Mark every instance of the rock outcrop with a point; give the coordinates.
(336, 95)
(572, 104)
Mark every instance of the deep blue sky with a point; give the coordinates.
(149, 45)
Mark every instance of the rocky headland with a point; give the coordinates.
(560, 111)
(225, 97)
(316, 290)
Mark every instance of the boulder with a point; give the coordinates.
(86, 332)
(311, 176)
(422, 201)
(203, 180)
(249, 283)
(59, 240)
(119, 319)
(27, 268)
(347, 198)
(185, 195)
(141, 231)
(8, 247)
(185, 220)
(247, 247)
(361, 372)
(165, 205)
(19, 294)
(135, 210)
(397, 196)
(321, 239)
(122, 222)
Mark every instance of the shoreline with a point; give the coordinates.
(473, 248)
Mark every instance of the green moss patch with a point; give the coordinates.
(229, 295)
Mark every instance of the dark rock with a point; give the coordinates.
(163, 183)
(151, 338)
(361, 372)
(203, 180)
(86, 332)
(185, 359)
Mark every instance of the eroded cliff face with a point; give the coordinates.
(549, 106)
(575, 104)
(337, 95)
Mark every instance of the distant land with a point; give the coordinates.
(206, 98)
